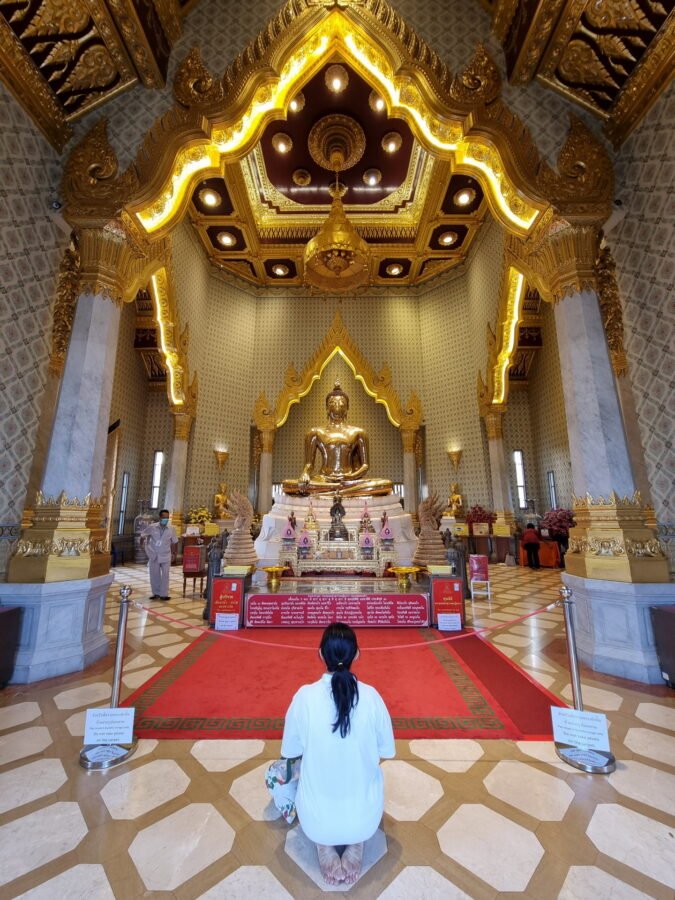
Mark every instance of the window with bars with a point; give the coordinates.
(157, 466)
(553, 500)
(124, 493)
(520, 478)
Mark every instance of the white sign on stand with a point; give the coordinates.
(227, 622)
(583, 731)
(449, 622)
(109, 726)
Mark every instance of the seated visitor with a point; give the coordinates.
(531, 541)
(342, 730)
(343, 454)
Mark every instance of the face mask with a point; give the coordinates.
(163, 521)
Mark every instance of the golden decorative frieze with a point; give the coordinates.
(110, 263)
(612, 501)
(193, 84)
(182, 424)
(182, 393)
(408, 438)
(611, 310)
(494, 425)
(378, 385)
(267, 441)
(64, 307)
(137, 44)
(62, 500)
(169, 13)
(479, 83)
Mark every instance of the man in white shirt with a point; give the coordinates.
(160, 541)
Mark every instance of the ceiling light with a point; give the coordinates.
(394, 269)
(280, 270)
(209, 197)
(297, 103)
(226, 238)
(464, 197)
(337, 79)
(301, 177)
(372, 176)
(447, 238)
(391, 142)
(376, 102)
(282, 142)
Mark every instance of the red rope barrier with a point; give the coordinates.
(235, 637)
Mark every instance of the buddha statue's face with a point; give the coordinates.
(337, 406)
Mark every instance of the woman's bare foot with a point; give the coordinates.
(351, 862)
(329, 863)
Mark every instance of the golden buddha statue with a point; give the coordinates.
(455, 502)
(220, 502)
(343, 450)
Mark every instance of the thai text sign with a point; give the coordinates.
(227, 593)
(478, 567)
(318, 610)
(194, 559)
(447, 599)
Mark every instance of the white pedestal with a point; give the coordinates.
(613, 627)
(61, 626)
(268, 543)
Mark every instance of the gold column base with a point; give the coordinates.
(613, 541)
(177, 520)
(65, 541)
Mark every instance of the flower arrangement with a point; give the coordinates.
(558, 521)
(480, 514)
(198, 515)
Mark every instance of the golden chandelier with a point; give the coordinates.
(337, 258)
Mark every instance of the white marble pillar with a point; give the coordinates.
(501, 488)
(76, 454)
(597, 441)
(410, 498)
(175, 485)
(265, 477)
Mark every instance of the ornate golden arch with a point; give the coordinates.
(338, 341)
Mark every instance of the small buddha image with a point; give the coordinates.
(292, 521)
(455, 501)
(220, 501)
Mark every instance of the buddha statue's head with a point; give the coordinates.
(337, 402)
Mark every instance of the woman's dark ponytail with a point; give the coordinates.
(338, 649)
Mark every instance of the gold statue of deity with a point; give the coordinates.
(455, 502)
(220, 501)
(343, 451)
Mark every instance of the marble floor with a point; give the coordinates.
(477, 819)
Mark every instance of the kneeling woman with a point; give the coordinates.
(341, 729)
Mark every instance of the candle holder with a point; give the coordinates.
(221, 458)
(455, 457)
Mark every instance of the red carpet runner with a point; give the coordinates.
(221, 687)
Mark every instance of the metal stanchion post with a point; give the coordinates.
(594, 761)
(89, 758)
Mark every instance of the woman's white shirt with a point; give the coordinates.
(340, 796)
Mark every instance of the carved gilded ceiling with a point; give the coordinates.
(63, 58)
(613, 57)
(418, 217)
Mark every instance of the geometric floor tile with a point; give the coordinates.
(30, 782)
(527, 788)
(86, 695)
(219, 756)
(542, 678)
(137, 792)
(143, 748)
(589, 881)
(250, 792)
(38, 838)
(423, 882)
(660, 716)
(544, 751)
(408, 792)
(597, 698)
(303, 853)
(26, 742)
(246, 883)
(451, 756)
(19, 714)
(653, 744)
(645, 784)
(171, 652)
(136, 679)
(494, 848)
(138, 662)
(536, 662)
(634, 840)
(179, 846)
(75, 723)
(512, 640)
(84, 882)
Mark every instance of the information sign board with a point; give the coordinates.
(109, 726)
(481, 529)
(318, 610)
(478, 567)
(227, 594)
(194, 559)
(447, 599)
(580, 729)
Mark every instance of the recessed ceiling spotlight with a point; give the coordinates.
(280, 270)
(209, 197)
(464, 197)
(337, 78)
(391, 142)
(394, 269)
(281, 142)
(376, 102)
(301, 177)
(447, 238)
(297, 103)
(226, 239)
(372, 177)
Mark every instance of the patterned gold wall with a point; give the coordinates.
(644, 248)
